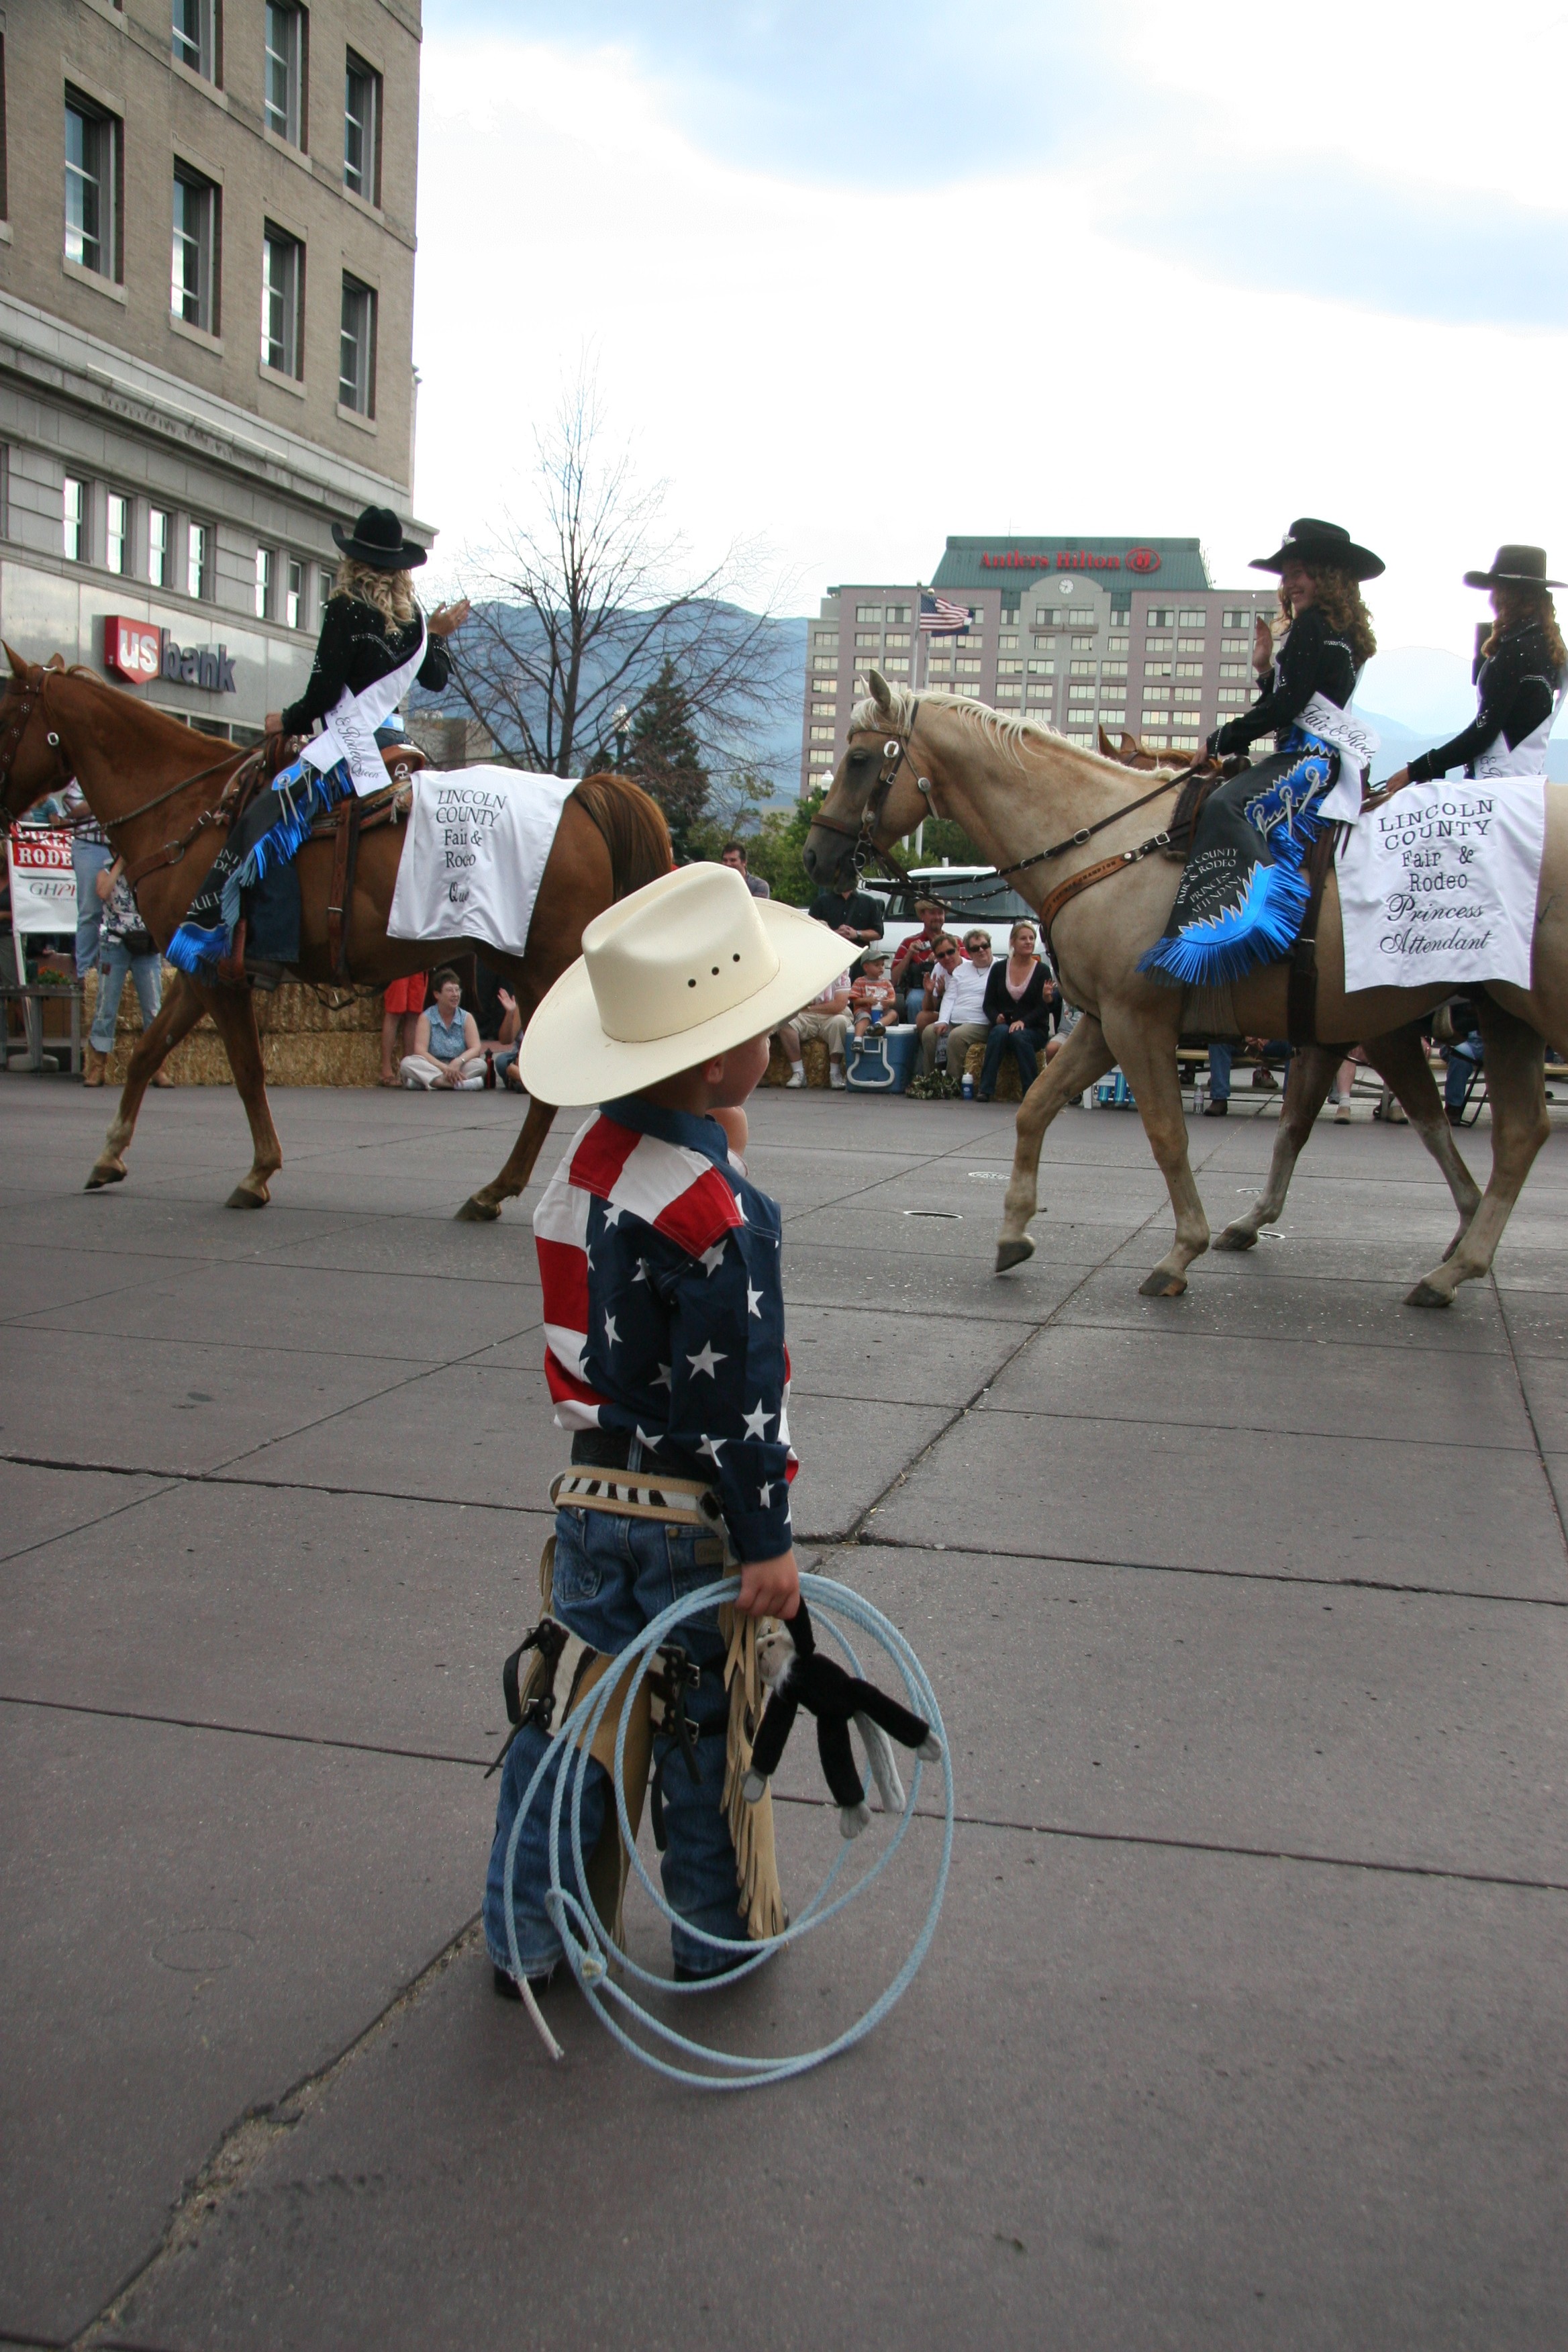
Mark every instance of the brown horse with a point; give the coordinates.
(159, 793)
(1046, 814)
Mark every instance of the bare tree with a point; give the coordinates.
(577, 609)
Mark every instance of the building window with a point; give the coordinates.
(294, 595)
(362, 129)
(826, 661)
(898, 615)
(285, 71)
(1186, 694)
(194, 43)
(1116, 644)
(158, 546)
(869, 637)
(1190, 644)
(92, 176)
(1234, 620)
(1010, 668)
(1083, 644)
(1189, 669)
(1192, 620)
(1232, 669)
(74, 515)
(902, 638)
(1114, 670)
(869, 613)
(282, 287)
(1231, 694)
(357, 362)
(967, 669)
(1160, 617)
(116, 533)
(822, 734)
(1041, 669)
(1080, 669)
(896, 665)
(198, 559)
(192, 289)
(263, 583)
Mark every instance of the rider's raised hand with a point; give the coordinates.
(448, 617)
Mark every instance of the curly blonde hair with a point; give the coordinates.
(392, 592)
(1521, 603)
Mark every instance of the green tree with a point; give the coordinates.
(665, 759)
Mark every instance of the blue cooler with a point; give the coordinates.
(881, 1062)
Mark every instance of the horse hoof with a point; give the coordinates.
(1012, 1253)
(1425, 1294)
(1162, 1285)
(475, 1212)
(1236, 1237)
(241, 1199)
(105, 1172)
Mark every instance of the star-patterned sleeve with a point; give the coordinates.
(728, 1375)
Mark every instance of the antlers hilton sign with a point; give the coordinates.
(136, 651)
(1067, 559)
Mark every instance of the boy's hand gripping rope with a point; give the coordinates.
(590, 1950)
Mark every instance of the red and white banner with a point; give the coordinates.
(43, 886)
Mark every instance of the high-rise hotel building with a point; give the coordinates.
(1078, 633)
(206, 286)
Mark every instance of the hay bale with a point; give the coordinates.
(331, 1039)
(814, 1055)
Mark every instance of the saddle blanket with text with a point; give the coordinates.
(474, 855)
(1439, 884)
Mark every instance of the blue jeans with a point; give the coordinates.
(913, 999)
(1025, 1044)
(1220, 1054)
(89, 859)
(1460, 1062)
(113, 963)
(613, 1577)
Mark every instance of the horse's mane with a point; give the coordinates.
(1005, 726)
(632, 823)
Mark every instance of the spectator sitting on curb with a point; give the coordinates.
(826, 1016)
(1018, 1007)
(873, 998)
(447, 1049)
(125, 945)
(914, 959)
(1222, 1053)
(734, 854)
(402, 1003)
(509, 1043)
(960, 991)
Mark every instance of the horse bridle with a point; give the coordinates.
(32, 695)
(895, 752)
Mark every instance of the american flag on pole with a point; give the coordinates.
(941, 617)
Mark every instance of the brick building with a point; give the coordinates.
(206, 285)
(1078, 633)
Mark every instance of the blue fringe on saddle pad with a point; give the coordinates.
(273, 830)
(1243, 892)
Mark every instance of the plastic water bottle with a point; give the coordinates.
(967, 1084)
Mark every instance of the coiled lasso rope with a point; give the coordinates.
(590, 1950)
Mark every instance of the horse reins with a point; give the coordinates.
(896, 751)
(34, 695)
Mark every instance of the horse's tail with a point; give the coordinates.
(636, 833)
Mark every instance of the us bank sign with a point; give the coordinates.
(1069, 558)
(136, 651)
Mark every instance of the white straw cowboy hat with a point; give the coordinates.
(684, 968)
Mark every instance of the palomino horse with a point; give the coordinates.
(1043, 812)
(155, 788)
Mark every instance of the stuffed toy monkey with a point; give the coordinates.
(797, 1676)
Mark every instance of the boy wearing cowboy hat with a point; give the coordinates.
(665, 1346)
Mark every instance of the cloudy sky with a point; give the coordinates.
(856, 276)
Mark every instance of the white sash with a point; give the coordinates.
(1528, 757)
(1355, 745)
(349, 732)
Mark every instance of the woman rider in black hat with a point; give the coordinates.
(1243, 892)
(372, 627)
(1520, 682)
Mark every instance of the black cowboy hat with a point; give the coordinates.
(378, 540)
(1310, 541)
(1523, 567)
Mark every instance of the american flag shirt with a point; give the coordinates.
(664, 1308)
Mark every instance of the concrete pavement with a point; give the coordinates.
(1245, 2023)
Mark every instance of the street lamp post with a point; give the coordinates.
(621, 725)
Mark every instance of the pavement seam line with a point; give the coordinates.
(249, 2138)
(244, 1731)
(856, 1532)
(1528, 1409)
